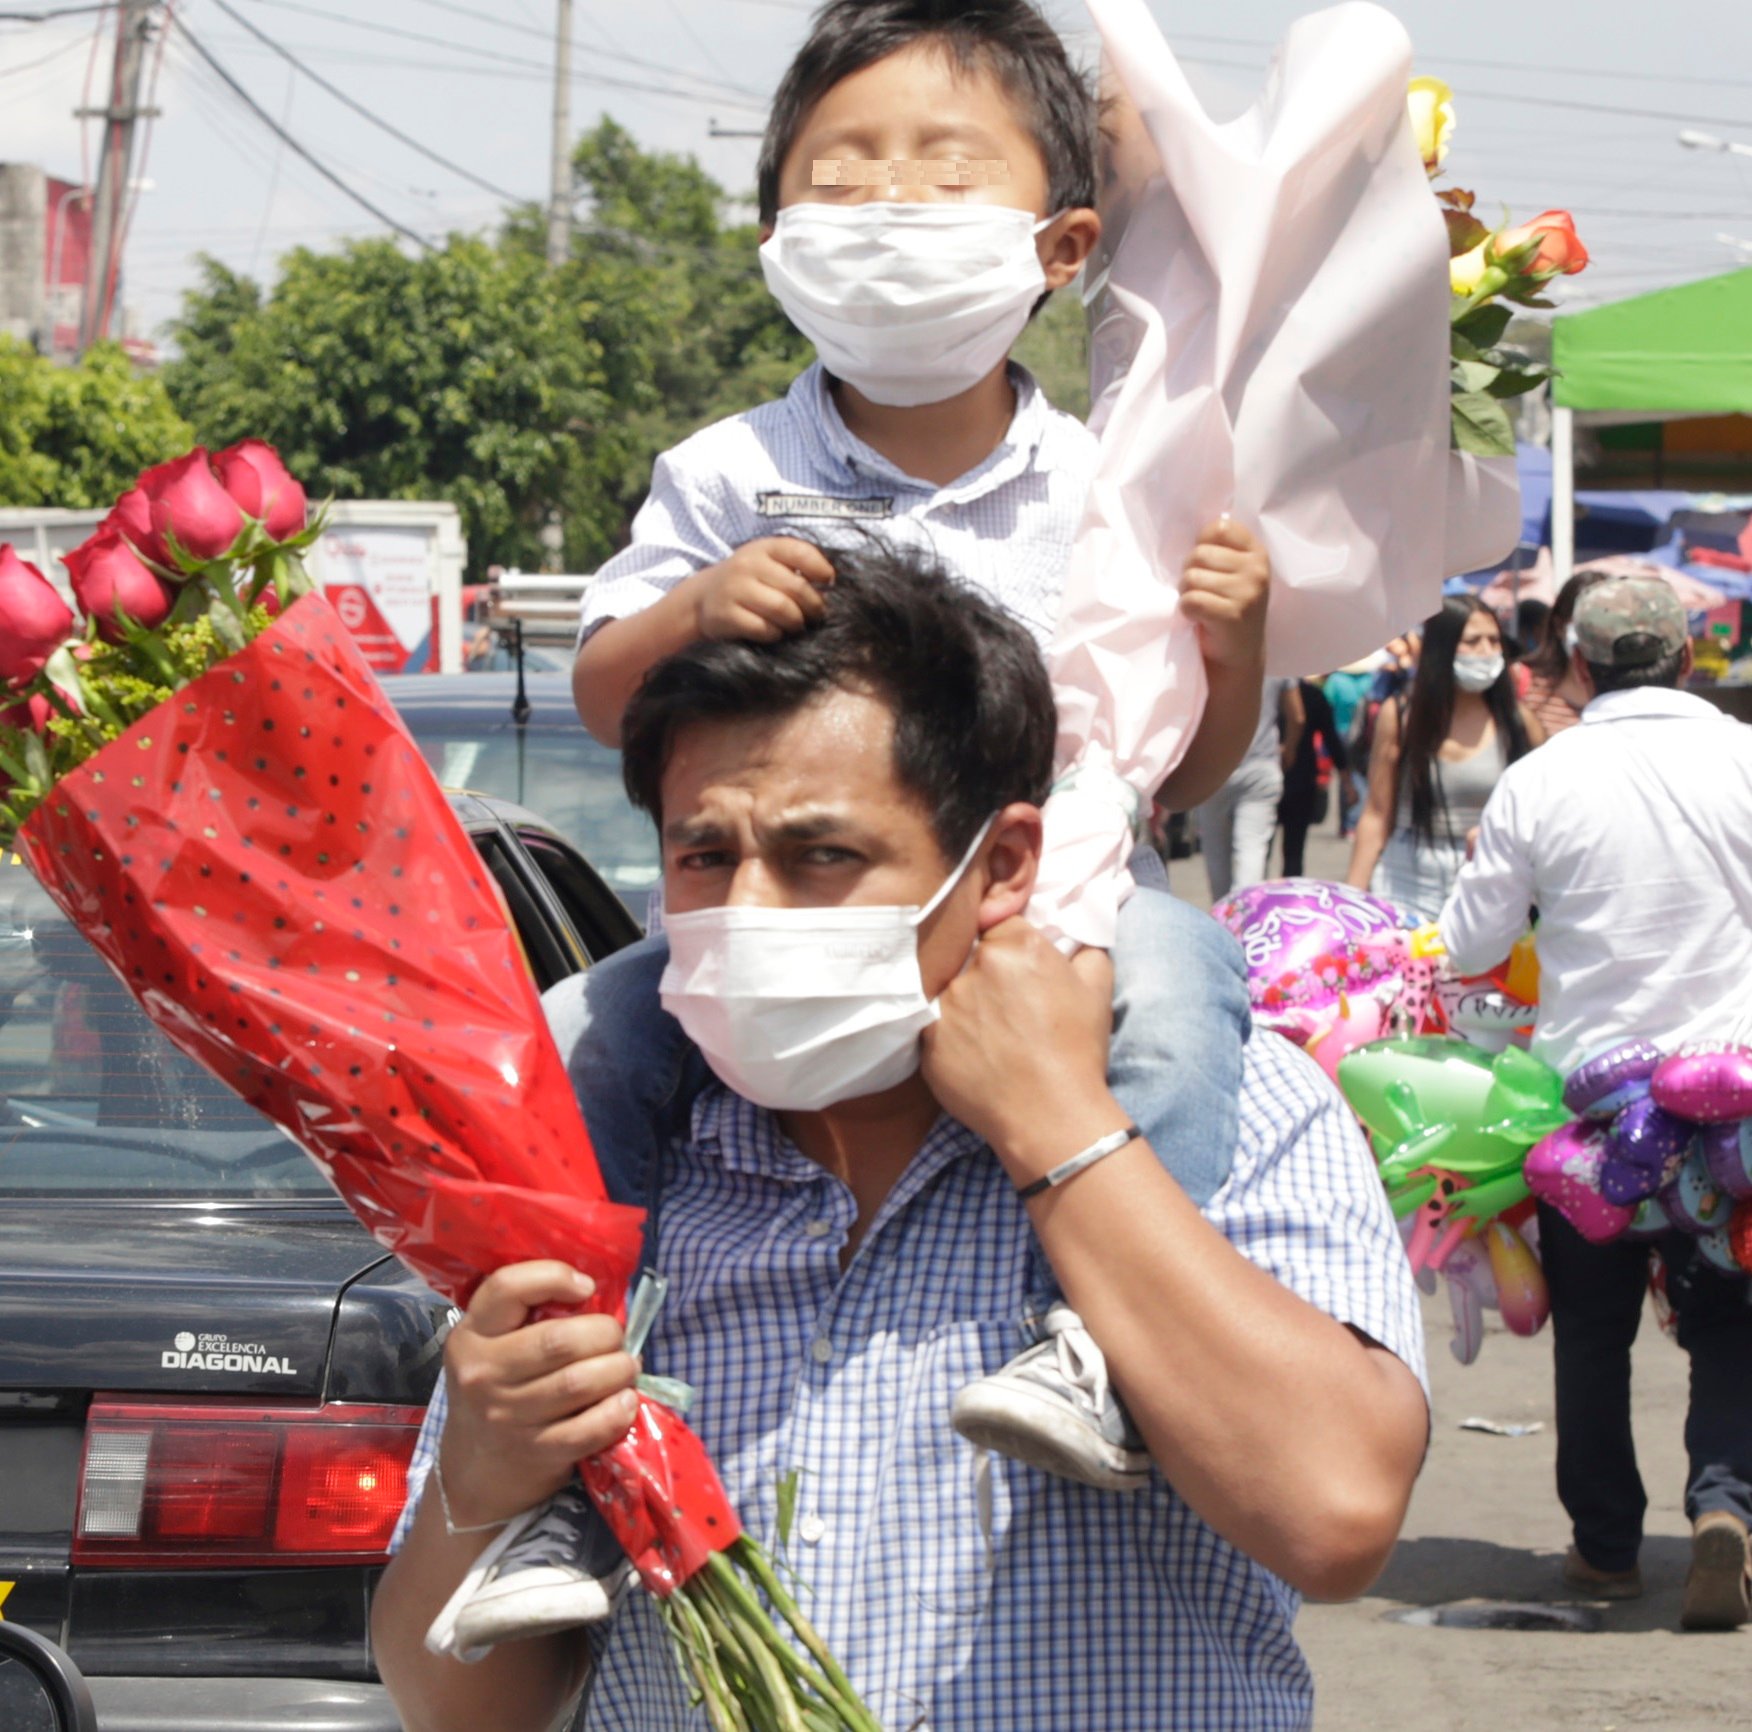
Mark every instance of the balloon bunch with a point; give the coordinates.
(1347, 977)
(1451, 1127)
(1332, 969)
(1663, 1141)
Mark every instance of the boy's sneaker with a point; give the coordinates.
(1053, 1408)
(1718, 1591)
(565, 1569)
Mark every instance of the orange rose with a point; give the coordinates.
(1560, 254)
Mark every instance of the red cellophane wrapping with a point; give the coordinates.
(271, 869)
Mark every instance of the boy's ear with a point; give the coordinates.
(1066, 246)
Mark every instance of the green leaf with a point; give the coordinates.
(1484, 326)
(1472, 376)
(1481, 425)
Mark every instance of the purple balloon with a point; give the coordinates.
(1709, 1081)
(1299, 937)
(1644, 1149)
(1605, 1083)
(1726, 1151)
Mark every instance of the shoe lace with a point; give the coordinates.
(1081, 1362)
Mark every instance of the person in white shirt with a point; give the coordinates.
(1631, 834)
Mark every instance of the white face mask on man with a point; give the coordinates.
(909, 303)
(797, 1009)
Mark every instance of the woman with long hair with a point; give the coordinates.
(1437, 756)
(1555, 696)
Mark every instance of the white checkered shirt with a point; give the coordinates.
(1039, 1605)
(792, 468)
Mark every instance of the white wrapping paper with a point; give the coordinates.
(1269, 337)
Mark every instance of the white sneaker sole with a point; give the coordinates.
(536, 1602)
(1041, 1433)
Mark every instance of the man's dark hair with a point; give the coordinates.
(1664, 670)
(1007, 38)
(974, 721)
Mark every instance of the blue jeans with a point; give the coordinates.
(1180, 1019)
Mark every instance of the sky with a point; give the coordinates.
(1562, 103)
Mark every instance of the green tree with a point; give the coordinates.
(77, 436)
(468, 373)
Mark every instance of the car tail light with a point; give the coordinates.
(203, 1484)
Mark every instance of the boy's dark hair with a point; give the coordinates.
(1664, 671)
(1008, 38)
(974, 720)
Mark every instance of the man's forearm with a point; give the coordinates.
(1293, 1438)
(1225, 731)
(519, 1686)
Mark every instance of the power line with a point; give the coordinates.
(290, 142)
(43, 60)
(361, 109)
(544, 67)
(55, 12)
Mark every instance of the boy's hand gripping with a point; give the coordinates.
(1224, 591)
(764, 591)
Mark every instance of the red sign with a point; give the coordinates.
(382, 649)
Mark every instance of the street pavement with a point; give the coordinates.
(1485, 1524)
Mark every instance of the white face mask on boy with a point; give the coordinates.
(910, 303)
(799, 1008)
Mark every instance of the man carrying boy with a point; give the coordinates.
(914, 428)
(837, 1275)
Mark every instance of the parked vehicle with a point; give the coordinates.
(211, 1377)
(469, 727)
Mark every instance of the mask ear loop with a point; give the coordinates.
(948, 885)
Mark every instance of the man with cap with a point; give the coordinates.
(1631, 835)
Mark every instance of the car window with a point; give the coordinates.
(556, 770)
(596, 915)
(94, 1099)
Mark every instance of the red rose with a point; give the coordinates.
(131, 518)
(108, 576)
(1560, 254)
(188, 503)
(252, 473)
(34, 621)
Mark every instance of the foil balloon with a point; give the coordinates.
(1603, 1084)
(1310, 974)
(1740, 1235)
(1649, 1221)
(1563, 1169)
(1644, 1148)
(1694, 1203)
(1451, 1127)
(1726, 1150)
(1522, 1296)
(1471, 1292)
(1709, 1082)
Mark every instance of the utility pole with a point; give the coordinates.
(133, 33)
(559, 234)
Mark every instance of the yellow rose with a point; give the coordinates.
(1467, 272)
(1432, 120)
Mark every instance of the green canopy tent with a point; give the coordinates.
(1656, 357)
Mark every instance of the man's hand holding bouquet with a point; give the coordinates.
(205, 775)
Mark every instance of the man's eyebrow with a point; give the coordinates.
(694, 832)
(814, 826)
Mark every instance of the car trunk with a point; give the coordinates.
(158, 1299)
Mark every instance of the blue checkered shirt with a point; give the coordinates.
(792, 468)
(962, 1599)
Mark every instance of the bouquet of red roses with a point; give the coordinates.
(207, 778)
